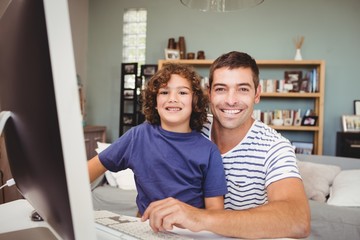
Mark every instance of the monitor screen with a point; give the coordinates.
(44, 136)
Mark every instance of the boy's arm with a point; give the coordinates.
(95, 168)
(214, 202)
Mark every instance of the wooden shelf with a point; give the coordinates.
(318, 97)
(290, 95)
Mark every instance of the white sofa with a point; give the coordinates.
(327, 221)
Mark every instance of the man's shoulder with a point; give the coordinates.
(206, 129)
(261, 129)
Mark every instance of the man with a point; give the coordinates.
(266, 196)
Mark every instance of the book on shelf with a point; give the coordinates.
(272, 85)
(303, 147)
(294, 81)
(288, 117)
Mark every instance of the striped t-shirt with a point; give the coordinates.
(261, 158)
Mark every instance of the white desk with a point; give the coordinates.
(15, 216)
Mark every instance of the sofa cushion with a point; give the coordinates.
(333, 222)
(345, 190)
(115, 200)
(317, 179)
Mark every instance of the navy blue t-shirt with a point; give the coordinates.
(186, 166)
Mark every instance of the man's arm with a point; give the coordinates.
(287, 214)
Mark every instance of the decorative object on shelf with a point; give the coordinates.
(172, 54)
(298, 41)
(357, 107)
(309, 118)
(171, 43)
(220, 5)
(148, 69)
(182, 47)
(277, 122)
(293, 78)
(190, 55)
(200, 54)
(309, 121)
(351, 123)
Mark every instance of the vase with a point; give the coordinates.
(171, 43)
(298, 54)
(182, 47)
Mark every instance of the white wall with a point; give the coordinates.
(79, 17)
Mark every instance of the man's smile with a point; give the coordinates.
(231, 111)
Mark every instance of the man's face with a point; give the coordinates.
(232, 97)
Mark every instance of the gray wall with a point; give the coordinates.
(331, 29)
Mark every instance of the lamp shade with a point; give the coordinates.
(220, 5)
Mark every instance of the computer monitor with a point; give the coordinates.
(44, 136)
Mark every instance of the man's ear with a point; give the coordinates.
(257, 95)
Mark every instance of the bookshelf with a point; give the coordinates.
(277, 68)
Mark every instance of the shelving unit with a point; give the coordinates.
(128, 97)
(316, 97)
(131, 87)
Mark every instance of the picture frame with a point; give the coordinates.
(148, 69)
(129, 81)
(304, 85)
(351, 123)
(128, 119)
(357, 107)
(171, 54)
(293, 77)
(309, 120)
(129, 68)
(129, 94)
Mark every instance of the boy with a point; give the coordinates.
(167, 153)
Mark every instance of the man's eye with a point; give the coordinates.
(219, 89)
(244, 90)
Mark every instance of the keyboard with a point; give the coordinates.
(130, 228)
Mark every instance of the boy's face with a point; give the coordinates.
(233, 97)
(174, 104)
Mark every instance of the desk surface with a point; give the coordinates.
(15, 216)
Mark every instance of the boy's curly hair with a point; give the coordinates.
(161, 78)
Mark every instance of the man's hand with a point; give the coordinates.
(167, 213)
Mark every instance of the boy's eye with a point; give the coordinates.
(183, 93)
(163, 92)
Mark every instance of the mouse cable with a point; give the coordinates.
(8, 183)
